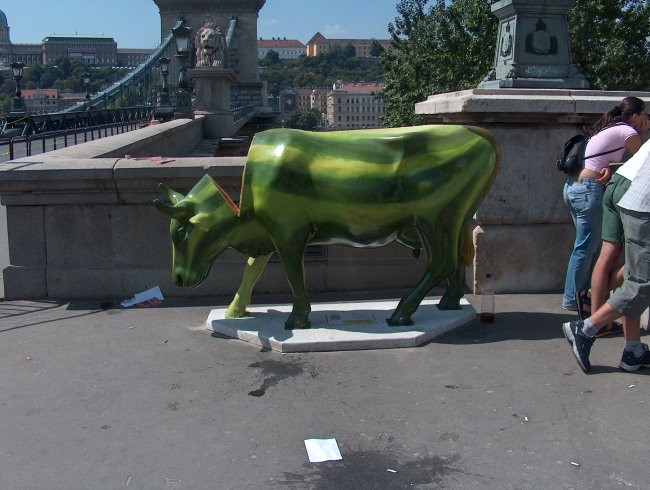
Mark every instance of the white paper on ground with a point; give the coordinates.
(145, 298)
(320, 450)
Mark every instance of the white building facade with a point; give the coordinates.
(355, 106)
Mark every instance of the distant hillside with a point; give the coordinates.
(319, 71)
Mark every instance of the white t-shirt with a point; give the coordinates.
(630, 168)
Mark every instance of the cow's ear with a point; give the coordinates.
(174, 212)
(170, 194)
(203, 221)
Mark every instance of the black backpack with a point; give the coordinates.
(572, 159)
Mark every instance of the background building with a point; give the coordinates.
(41, 100)
(319, 44)
(287, 49)
(29, 54)
(354, 106)
(131, 58)
(93, 50)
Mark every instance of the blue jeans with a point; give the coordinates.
(585, 203)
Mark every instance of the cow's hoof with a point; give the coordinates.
(290, 326)
(297, 321)
(236, 313)
(399, 321)
(448, 304)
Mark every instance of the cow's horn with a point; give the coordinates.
(171, 211)
(170, 194)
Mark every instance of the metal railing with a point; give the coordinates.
(89, 114)
(242, 113)
(34, 144)
(32, 124)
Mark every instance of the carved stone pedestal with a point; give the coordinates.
(212, 86)
(533, 49)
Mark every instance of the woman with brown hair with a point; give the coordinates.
(617, 131)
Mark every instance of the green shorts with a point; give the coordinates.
(612, 226)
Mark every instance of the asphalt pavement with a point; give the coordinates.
(94, 396)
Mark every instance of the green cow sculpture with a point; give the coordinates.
(419, 186)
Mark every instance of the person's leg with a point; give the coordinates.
(630, 299)
(633, 297)
(568, 302)
(632, 329)
(600, 277)
(612, 241)
(636, 354)
(616, 278)
(585, 204)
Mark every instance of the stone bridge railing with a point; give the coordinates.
(81, 224)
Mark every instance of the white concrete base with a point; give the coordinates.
(340, 326)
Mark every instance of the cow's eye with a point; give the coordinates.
(178, 235)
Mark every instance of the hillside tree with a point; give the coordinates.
(610, 44)
(435, 48)
(440, 46)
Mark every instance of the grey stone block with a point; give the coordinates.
(22, 282)
(524, 258)
(26, 239)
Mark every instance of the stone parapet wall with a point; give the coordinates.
(178, 137)
(524, 233)
(81, 223)
(83, 227)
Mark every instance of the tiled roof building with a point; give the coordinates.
(94, 50)
(287, 49)
(354, 105)
(319, 44)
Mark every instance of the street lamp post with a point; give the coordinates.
(164, 71)
(140, 101)
(164, 109)
(18, 106)
(86, 80)
(183, 95)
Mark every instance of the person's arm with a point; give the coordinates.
(633, 143)
(605, 175)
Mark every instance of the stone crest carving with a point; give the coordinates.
(506, 43)
(541, 41)
(210, 46)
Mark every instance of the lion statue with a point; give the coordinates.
(210, 46)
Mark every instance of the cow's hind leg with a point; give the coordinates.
(454, 291)
(455, 282)
(441, 249)
(252, 272)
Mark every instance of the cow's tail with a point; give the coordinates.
(466, 246)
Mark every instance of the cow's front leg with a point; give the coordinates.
(292, 255)
(299, 317)
(252, 272)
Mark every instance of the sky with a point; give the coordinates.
(136, 23)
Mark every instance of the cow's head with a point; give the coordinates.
(201, 226)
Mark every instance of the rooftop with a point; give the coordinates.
(76, 36)
(279, 43)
